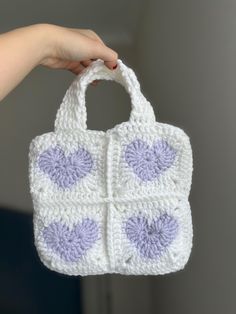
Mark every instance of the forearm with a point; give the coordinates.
(52, 46)
(20, 51)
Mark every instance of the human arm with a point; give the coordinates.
(49, 45)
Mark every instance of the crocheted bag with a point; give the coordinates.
(114, 201)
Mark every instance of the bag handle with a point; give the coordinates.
(72, 113)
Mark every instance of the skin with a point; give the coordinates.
(55, 47)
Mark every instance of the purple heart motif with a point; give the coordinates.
(63, 170)
(149, 162)
(151, 240)
(71, 244)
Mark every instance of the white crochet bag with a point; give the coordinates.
(114, 201)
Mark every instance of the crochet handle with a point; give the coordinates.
(72, 112)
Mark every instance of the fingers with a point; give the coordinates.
(95, 82)
(74, 49)
(99, 49)
(86, 63)
(76, 68)
(106, 54)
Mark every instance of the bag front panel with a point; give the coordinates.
(67, 165)
(150, 161)
(67, 183)
(70, 237)
(151, 237)
(150, 224)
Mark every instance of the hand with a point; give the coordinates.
(49, 45)
(73, 49)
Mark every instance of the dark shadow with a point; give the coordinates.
(26, 285)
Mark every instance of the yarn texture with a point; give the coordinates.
(112, 201)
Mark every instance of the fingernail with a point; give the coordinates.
(115, 66)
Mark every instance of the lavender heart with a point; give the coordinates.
(151, 240)
(149, 162)
(63, 170)
(71, 244)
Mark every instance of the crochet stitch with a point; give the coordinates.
(65, 171)
(148, 163)
(71, 245)
(112, 201)
(151, 239)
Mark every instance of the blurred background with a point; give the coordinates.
(184, 54)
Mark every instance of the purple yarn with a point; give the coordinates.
(151, 240)
(149, 162)
(72, 244)
(63, 170)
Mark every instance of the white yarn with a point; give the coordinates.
(114, 201)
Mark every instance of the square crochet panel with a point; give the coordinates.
(151, 160)
(64, 165)
(114, 201)
(70, 238)
(151, 237)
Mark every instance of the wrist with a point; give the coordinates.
(44, 33)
